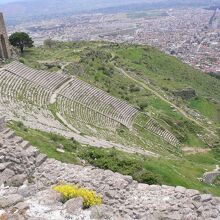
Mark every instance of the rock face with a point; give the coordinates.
(29, 175)
(209, 177)
(185, 93)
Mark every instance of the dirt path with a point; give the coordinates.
(191, 150)
(164, 99)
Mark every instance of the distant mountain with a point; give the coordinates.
(213, 7)
(47, 7)
(34, 9)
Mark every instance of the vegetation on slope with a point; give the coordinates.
(97, 62)
(183, 171)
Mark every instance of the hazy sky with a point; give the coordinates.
(8, 1)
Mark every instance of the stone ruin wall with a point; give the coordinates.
(209, 177)
(5, 51)
(26, 178)
(2, 123)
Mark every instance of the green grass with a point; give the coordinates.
(207, 108)
(217, 181)
(166, 71)
(95, 59)
(182, 171)
(94, 62)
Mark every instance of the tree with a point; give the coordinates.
(49, 43)
(21, 40)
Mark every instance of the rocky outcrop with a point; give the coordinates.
(2, 123)
(185, 93)
(27, 177)
(209, 177)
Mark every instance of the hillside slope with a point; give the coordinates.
(146, 79)
(27, 190)
(98, 63)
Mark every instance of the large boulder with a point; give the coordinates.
(101, 212)
(10, 200)
(16, 180)
(49, 197)
(6, 175)
(74, 205)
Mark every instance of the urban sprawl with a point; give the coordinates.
(192, 34)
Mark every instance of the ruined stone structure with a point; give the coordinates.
(2, 123)
(26, 178)
(77, 102)
(5, 52)
(209, 177)
(185, 93)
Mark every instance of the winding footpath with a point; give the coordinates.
(164, 99)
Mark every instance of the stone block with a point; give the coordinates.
(41, 158)
(205, 197)
(74, 205)
(10, 200)
(6, 175)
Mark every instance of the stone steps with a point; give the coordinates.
(20, 150)
(155, 127)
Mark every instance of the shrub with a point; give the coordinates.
(134, 88)
(90, 198)
(21, 126)
(142, 105)
(50, 43)
(54, 137)
(22, 60)
(118, 162)
(147, 177)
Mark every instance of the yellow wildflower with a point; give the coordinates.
(90, 198)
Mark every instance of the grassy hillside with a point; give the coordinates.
(145, 78)
(98, 63)
(183, 171)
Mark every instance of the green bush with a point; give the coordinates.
(142, 105)
(21, 126)
(117, 162)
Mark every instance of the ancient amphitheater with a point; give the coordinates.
(64, 104)
(26, 178)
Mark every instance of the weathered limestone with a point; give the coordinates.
(7, 201)
(31, 197)
(5, 51)
(209, 177)
(73, 205)
(2, 123)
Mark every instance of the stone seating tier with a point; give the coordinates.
(75, 99)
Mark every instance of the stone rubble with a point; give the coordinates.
(27, 176)
(209, 177)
